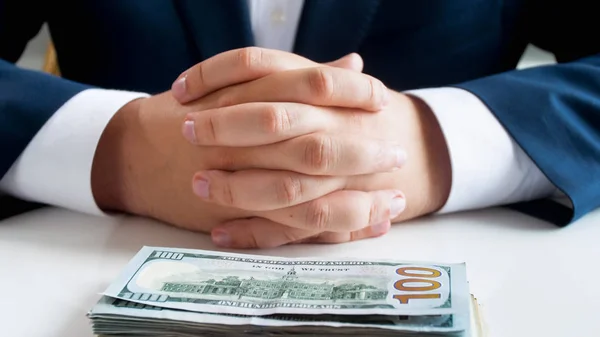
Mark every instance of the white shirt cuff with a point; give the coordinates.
(55, 168)
(488, 166)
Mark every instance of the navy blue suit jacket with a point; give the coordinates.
(553, 112)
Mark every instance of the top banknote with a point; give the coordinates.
(226, 283)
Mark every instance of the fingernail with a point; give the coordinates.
(221, 238)
(397, 206)
(179, 88)
(201, 187)
(385, 100)
(400, 156)
(189, 131)
(380, 228)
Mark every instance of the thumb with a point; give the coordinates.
(261, 233)
(352, 61)
(253, 233)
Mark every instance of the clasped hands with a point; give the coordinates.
(263, 148)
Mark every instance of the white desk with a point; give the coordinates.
(531, 278)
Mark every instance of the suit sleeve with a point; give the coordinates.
(27, 98)
(553, 112)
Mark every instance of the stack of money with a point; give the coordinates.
(181, 292)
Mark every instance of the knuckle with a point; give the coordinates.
(276, 119)
(375, 212)
(320, 82)
(227, 194)
(289, 190)
(374, 90)
(358, 211)
(208, 132)
(319, 154)
(250, 57)
(200, 73)
(319, 215)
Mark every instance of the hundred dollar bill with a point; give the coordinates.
(119, 317)
(217, 282)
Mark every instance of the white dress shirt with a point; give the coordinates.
(488, 167)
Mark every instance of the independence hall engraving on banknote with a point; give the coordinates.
(289, 286)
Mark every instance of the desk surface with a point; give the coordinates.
(531, 278)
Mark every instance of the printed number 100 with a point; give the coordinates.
(425, 276)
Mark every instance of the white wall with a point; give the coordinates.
(34, 54)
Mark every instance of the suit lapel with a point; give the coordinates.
(216, 26)
(330, 29)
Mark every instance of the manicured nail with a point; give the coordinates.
(380, 228)
(221, 238)
(385, 100)
(201, 187)
(189, 131)
(397, 206)
(179, 88)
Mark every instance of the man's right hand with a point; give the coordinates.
(144, 166)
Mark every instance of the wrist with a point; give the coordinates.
(112, 185)
(435, 157)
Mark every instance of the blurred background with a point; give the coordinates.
(33, 57)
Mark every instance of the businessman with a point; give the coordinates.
(264, 147)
